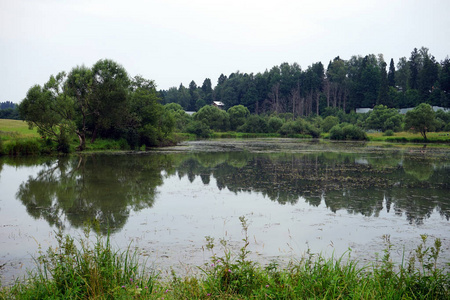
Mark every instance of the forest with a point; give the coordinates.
(360, 82)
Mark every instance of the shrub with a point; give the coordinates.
(299, 126)
(254, 124)
(198, 128)
(213, 117)
(275, 124)
(238, 114)
(329, 122)
(291, 127)
(347, 132)
(388, 133)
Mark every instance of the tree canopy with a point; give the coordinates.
(102, 101)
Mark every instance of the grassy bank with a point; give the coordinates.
(96, 271)
(409, 137)
(17, 139)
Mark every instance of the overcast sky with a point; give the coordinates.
(176, 41)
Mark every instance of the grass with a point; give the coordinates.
(409, 137)
(16, 129)
(96, 271)
(17, 139)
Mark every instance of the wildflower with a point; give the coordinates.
(123, 286)
(208, 294)
(229, 270)
(145, 287)
(166, 291)
(267, 285)
(131, 279)
(212, 265)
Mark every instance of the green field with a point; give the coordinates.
(16, 129)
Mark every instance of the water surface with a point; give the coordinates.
(326, 197)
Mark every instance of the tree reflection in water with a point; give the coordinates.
(87, 188)
(107, 187)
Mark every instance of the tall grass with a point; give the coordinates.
(95, 271)
(16, 147)
(89, 271)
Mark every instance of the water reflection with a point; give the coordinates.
(101, 188)
(107, 187)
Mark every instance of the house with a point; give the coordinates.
(363, 110)
(218, 104)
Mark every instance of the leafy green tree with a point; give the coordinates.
(51, 110)
(238, 114)
(329, 122)
(199, 104)
(184, 97)
(213, 117)
(443, 120)
(254, 124)
(79, 83)
(199, 128)
(383, 118)
(421, 119)
(108, 99)
(444, 81)
(337, 84)
(275, 124)
(182, 119)
(299, 126)
(383, 92)
(402, 74)
(365, 83)
(146, 123)
(9, 113)
(347, 132)
(428, 77)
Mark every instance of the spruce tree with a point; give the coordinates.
(391, 74)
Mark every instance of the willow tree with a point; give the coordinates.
(421, 119)
(51, 110)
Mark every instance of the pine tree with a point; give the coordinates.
(391, 74)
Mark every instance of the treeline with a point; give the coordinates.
(100, 101)
(8, 110)
(360, 82)
(341, 126)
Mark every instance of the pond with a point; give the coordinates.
(297, 196)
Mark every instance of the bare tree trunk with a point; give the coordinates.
(335, 90)
(317, 102)
(295, 96)
(345, 99)
(275, 96)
